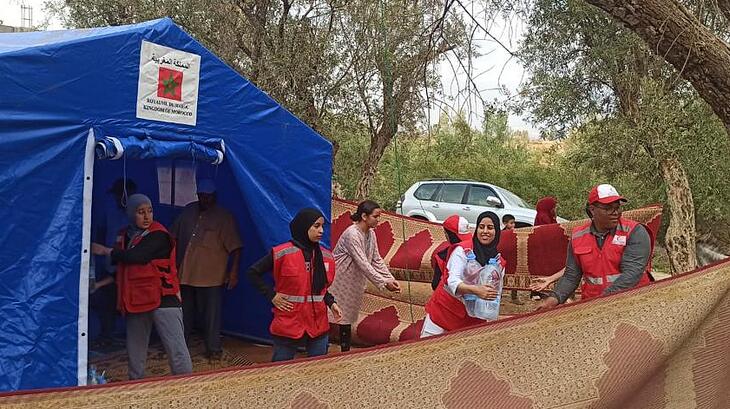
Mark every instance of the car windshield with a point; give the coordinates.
(512, 198)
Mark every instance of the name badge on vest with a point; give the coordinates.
(619, 240)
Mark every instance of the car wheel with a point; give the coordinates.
(419, 218)
(521, 224)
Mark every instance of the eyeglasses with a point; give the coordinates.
(615, 209)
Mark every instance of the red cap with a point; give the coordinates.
(605, 194)
(458, 225)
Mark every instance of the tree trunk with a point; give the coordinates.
(681, 236)
(724, 6)
(680, 239)
(671, 31)
(392, 104)
(370, 166)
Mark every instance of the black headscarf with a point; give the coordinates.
(485, 252)
(299, 226)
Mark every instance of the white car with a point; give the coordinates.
(435, 200)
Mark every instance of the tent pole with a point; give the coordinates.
(83, 315)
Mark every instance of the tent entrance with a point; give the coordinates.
(165, 170)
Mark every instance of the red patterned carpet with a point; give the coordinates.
(665, 345)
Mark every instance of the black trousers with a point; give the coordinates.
(202, 309)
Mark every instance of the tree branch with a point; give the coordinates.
(673, 32)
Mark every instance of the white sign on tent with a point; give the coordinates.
(168, 84)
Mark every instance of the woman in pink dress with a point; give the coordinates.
(358, 261)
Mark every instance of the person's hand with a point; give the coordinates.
(393, 286)
(282, 303)
(100, 250)
(540, 283)
(336, 312)
(232, 281)
(103, 282)
(485, 292)
(547, 303)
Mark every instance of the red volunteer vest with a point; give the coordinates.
(600, 266)
(140, 287)
(445, 310)
(291, 278)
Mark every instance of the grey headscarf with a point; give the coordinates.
(134, 202)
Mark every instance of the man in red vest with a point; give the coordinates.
(609, 253)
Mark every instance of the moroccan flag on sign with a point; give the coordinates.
(169, 84)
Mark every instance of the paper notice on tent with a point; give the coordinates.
(168, 84)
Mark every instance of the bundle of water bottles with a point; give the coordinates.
(491, 274)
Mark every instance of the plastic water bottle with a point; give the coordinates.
(472, 273)
(494, 276)
(92, 377)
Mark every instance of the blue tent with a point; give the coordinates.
(82, 108)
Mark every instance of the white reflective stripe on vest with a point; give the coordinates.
(281, 253)
(301, 298)
(612, 278)
(599, 280)
(594, 280)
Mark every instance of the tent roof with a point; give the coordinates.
(11, 42)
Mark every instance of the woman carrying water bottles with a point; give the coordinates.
(445, 310)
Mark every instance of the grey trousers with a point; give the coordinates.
(202, 306)
(169, 325)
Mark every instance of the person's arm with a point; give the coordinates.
(232, 242)
(436, 277)
(378, 263)
(175, 228)
(435, 257)
(354, 246)
(256, 272)
(455, 265)
(633, 261)
(155, 245)
(329, 299)
(570, 280)
(541, 283)
(232, 275)
(103, 282)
